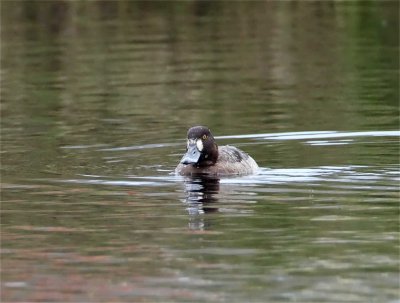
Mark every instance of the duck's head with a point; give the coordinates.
(201, 149)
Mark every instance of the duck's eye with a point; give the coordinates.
(204, 137)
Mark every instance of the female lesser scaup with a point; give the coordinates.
(203, 156)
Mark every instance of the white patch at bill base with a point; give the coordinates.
(199, 144)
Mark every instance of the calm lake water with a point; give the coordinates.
(96, 99)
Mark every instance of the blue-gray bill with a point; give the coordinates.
(192, 155)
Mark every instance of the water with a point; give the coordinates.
(96, 101)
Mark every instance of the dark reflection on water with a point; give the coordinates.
(201, 198)
(202, 191)
(96, 98)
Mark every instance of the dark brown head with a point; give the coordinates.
(201, 149)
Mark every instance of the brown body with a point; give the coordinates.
(204, 157)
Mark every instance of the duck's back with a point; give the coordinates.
(233, 161)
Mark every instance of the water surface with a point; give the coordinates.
(96, 101)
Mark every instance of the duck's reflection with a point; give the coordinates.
(201, 198)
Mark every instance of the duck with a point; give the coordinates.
(204, 157)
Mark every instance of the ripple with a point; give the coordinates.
(313, 135)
